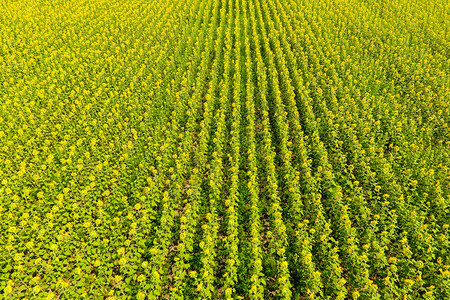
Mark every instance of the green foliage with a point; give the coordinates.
(224, 149)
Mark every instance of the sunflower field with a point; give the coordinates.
(224, 149)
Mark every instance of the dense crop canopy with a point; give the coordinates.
(224, 149)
